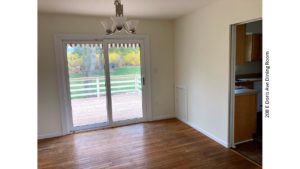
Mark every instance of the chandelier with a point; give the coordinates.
(119, 22)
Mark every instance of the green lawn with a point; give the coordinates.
(126, 71)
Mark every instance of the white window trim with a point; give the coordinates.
(60, 54)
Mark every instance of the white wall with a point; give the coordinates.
(202, 43)
(162, 77)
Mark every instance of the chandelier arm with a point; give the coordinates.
(114, 30)
(127, 31)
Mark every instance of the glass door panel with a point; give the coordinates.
(125, 81)
(87, 84)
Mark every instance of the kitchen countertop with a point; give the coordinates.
(249, 79)
(244, 91)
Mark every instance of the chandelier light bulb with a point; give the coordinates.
(119, 22)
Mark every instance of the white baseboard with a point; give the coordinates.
(50, 135)
(163, 116)
(208, 134)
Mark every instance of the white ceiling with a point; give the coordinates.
(158, 9)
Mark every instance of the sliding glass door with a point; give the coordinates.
(125, 74)
(87, 84)
(105, 82)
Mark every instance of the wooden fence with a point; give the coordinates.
(95, 86)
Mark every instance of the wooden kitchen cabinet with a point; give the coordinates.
(248, 46)
(253, 47)
(240, 44)
(244, 117)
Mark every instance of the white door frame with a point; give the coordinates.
(62, 74)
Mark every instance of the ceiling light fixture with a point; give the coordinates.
(119, 22)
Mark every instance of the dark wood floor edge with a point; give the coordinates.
(54, 137)
(252, 161)
(106, 127)
(158, 120)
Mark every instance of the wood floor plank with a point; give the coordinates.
(154, 145)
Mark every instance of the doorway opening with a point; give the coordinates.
(245, 132)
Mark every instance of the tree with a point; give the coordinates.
(74, 62)
(90, 62)
(132, 58)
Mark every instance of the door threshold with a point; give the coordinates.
(92, 127)
(247, 158)
(88, 128)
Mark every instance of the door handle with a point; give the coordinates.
(143, 81)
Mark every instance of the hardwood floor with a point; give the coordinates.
(162, 144)
(252, 150)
